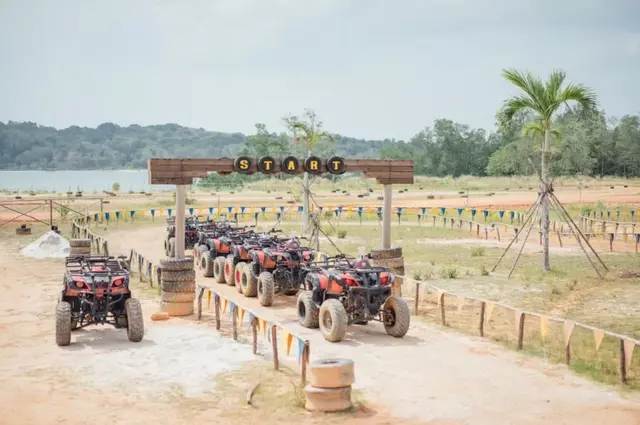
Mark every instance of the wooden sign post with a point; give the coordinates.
(181, 172)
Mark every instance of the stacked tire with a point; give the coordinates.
(79, 247)
(329, 388)
(178, 286)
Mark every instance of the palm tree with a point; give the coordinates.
(544, 99)
(307, 131)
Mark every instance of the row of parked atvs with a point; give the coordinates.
(333, 292)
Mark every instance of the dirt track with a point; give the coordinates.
(432, 374)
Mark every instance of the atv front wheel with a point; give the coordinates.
(396, 317)
(63, 323)
(135, 321)
(249, 281)
(333, 320)
(266, 289)
(218, 269)
(229, 271)
(307, 311)
(237, 275)
(207, 264)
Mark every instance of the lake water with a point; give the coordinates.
(84, 180)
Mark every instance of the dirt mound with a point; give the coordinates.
(49, 245)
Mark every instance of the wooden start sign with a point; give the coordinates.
(183, 171)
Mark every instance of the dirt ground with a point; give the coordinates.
(436, 376)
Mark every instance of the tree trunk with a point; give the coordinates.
(545, 200)
(305, 207)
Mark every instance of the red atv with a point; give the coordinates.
(339, 295)
(216, 245)
(241, 255)
(276, 270)
(96, 292)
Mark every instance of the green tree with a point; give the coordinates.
(308, 133)
(544, 99)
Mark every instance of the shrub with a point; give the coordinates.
(342, 234)
(484, 271)
(115, 187)
(478, 251)
(449, 273)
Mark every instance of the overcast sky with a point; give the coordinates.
(370, 68)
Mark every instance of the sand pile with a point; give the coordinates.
(49, 245)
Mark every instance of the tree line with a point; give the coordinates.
(591, 144)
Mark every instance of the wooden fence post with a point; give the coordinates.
(623, 363)
(483, 306)
(610, 241)
(417, 300)
(303, 368)
(274, 345)
(234, 323)
(521, 331)
(442, 312)
(254, 330)
(559, 239)
(105, 247)
(216, 306)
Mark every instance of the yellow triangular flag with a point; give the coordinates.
(460, 302)
(628, 352)
(209, 300)
(263, 326)
(288, 339)
(240, 314)
(598, 334)
(544, 328)
(488, 309)
(285, 336)
(440, 296)
(568, 330)
(224, 305)
(518, 316)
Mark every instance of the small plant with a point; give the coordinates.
(342, 234)
(417, 275)
(115, 187)
(328, 231)
(478, 251)
(484, 271)
(449, 273)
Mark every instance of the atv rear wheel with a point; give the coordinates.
(307, 311)
(207, 264)
(229, 271)
(63, 323)
(266, 289)
(249, 281)
(201, 250)
(333, 320)
(135, 321)
(237, 275)
(396, 317)
(218, 269)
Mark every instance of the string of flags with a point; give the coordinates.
(286, 339)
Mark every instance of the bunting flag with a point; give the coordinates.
(568, 330)
(263, 326)
(501, 213)
(132, 212)
(287, 338)
(209, 299)
(473, 213)
(190, 211)
(489, 306)
(460, 301)
(443, 210)
(232, 309)
(224, 305)
(300, 350)
(544, 328)
(271, 331)
(628, 352)
(117, 215)
(460, 211)
(518, 316)
(107, 216)
(240, 314)
(598, 335)
(251, 319)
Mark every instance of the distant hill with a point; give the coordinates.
(29, 146)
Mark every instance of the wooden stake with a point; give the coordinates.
(483, 306)
(254, 329)
(567, 353)
(521, 331)
(234, 323)
(303, 366)
(559, 239)
(417, 300)
(274, 345)
(442, 312)
(623, 363)
(610, 241)
(498, 233)
(216, 307)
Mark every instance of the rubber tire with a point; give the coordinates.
(178, 297)
(229, 271)
(385, 254)
(331, 373)
(195, 250)
(166, 247)
(334, 310)
(179, 276)
(79, 251)
(238, 272)
(291, 292)
(310, 318)
(202, 249)
(172, 248)
(218, 269)
(80, 243)
(249, 281)
(182, 286)
(178, 309)
(266, 289)
(208, 265)
(135, 321)
(63, 324)
(403, 316)
(327, 399)
(176, 264)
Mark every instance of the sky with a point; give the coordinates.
(371, 69)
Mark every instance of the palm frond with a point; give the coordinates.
(580, 94)
(513, 105)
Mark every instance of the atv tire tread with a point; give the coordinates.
(229, 271)
(266, 289)
(385, 254)
(249, 281)
(176, 264)
(80, 243)
(218, 269)
(311, 311)
(63, 324)
(135, 320)
(402, 315)
(207, 264)
(238, 272)
(339, 320)
(181, 286)
(179, 275)
(178, 297)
